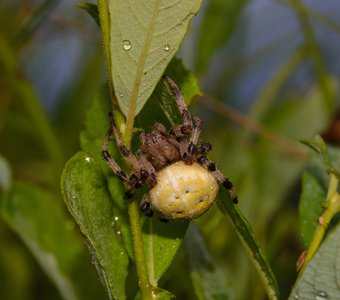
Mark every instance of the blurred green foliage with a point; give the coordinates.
(259, 149)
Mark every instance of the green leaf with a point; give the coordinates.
(161, 243)
(310, 206)
(208, 280)
(92, 9)
(251, 246)
(96, 124)
(87, 197)
(320, 279)
(91, 140)
(38, 218)
(144, 38)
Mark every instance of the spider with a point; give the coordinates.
(183, 182)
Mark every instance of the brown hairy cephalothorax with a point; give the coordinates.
(183, 181)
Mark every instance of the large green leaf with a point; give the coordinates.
(145, 35)
(321, 278)
(96, 126)
(208, 279)
(88, 199)
(38, 218)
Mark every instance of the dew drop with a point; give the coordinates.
(116, 218)
(88, 159)
(321, 295)
(121, 95)
(167, 47)
(127, 45)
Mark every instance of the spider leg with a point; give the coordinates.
(210, 166)
(202, 149)
(171, 138)
(187, 121)
(145, 206)
(136, 163)
(151, 179)
(192, 145)
(134, 181)
(121, 147)
(176, 131)
(111, 162)
(196, 132)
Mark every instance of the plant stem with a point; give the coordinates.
(105, 28)
(133, 209)
(332, 187)
(332, 207)
(137, 239)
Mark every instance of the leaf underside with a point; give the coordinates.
(144, 38)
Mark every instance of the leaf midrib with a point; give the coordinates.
(139, 72)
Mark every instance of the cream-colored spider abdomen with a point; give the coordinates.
(183, 191)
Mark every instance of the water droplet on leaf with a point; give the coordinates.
(167, 47)
(321, 295)
(127, 45)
